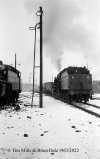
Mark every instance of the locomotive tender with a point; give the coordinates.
(10, 83)
(73, 84)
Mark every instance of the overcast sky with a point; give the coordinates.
(71, 35)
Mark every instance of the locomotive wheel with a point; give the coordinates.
(1, 102)
(17, 96)
(77, 98)
(10, 97)
(7, 99)
(85, 100)
(68, 99)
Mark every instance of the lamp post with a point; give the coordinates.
(40, 13)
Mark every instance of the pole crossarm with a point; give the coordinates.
(31, 28)
(37, 26)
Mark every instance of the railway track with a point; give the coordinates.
(98, 98)
(87, 108)
(92, 105)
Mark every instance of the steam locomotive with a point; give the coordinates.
(71, 84)
(10, 84)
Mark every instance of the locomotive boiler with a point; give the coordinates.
(10, 83)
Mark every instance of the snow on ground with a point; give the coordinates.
(56, 131)
(97, 99)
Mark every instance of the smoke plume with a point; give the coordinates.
(58, 64)
(63, 28)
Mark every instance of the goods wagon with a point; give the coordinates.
(48, 88)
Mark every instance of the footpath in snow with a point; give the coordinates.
(57, 131)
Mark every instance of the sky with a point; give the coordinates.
(71, 36)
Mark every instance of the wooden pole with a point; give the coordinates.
(41, 60)
(15, 61)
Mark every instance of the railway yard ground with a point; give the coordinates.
(56, 131)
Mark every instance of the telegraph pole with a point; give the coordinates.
(34, 28)
(40, 13)
(41, 65)
(15, 61)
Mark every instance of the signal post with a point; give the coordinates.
(40, 13)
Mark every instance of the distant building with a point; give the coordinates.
(96, 86)
(26, 87)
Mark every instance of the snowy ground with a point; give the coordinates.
(56, 131)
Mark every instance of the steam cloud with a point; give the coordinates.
(62, 28)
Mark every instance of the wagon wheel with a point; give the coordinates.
(85, 100)
(77, 99)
